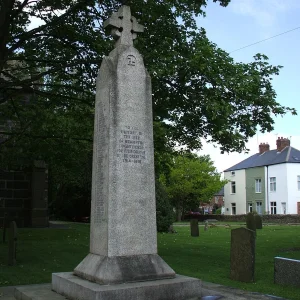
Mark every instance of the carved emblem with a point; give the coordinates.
(131, 60)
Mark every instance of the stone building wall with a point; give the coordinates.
(24, 196)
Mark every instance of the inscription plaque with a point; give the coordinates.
(131, 148)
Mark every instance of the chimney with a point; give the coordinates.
(282, 143)
(263, 148)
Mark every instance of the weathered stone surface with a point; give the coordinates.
(194, 227)
(118, 269)
(250, 221)
(258, 221)
(178, 288)
(209, 291)
(242, 255)
(287, 271)
(36, 292)
(123, 190)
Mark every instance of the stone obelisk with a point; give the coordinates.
(123, 240)
(123, 227)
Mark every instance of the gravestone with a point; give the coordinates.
(250, 221)
(258, 221)
(242, 255)
(171, 229)
(123, 262)
(12, 244)
(205, 226)
(4, 227)
(287, 271)
(194, 227)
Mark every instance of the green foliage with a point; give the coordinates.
(48, 74)
(192, 179)
(197, 87)
(218, 211)
(164, 210)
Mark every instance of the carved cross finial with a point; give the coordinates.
(124, 26)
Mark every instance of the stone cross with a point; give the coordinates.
(124, 26)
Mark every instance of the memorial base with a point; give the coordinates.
(122, 269)
(75, 288)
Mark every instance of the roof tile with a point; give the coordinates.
(272, 157)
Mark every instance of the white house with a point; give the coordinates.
(234, 192)
(267, 182)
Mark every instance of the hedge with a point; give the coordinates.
(281, 219)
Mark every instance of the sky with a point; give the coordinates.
(245, 22)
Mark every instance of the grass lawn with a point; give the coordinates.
(41, 252)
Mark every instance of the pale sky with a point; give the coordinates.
(244, 22)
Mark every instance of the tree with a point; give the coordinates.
(192, 179)
(198, 90)
(164, 210)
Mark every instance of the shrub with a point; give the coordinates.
(164, 211)
(218, 211)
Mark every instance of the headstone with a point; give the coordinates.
(242, 255)
(123, 262)
(4, 227)
(250, 221)
(205, 226)
(258, 221)
(211, 220)
(287, 271)
(12, 244)
(171, 229)
(194, 227)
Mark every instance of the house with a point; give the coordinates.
(215, 202)
(266, 182)
(218, 198)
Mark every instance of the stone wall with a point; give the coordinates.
(23, 196)
(280, 219)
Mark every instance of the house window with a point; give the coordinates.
(273, 208)
(232, 173)
(233, 187)
(272, 184)
(298, 182)
(283, 206)
(257, 185)
(250, 207)
(233, 209)
(259, 207)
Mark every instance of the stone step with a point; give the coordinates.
(209, 292)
